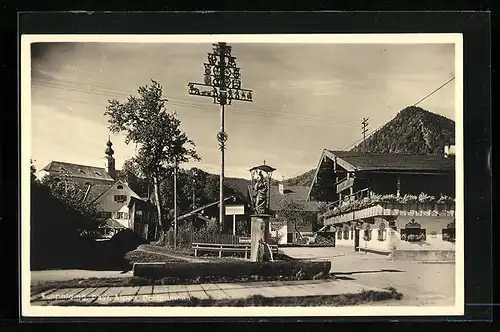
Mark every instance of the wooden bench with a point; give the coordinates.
(220, 248)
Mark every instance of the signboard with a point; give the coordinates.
(347, 183)
(232, 210)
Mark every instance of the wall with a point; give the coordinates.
(125, 222)
(430, 224)
(345, 243)
(433, 242)
(282, 232)
(374, 243)
(106, 202)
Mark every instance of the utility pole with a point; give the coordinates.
(175, 204)
(222, 82)
(193, 206)
(364, 125)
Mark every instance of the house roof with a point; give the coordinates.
(111, 223)
(359, 161)
(96, 190)
(143, 203)
(80, 171)
(356, 161)
(201, 208)
(296, 194)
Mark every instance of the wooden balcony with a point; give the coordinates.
(364, 204)
(345, 184)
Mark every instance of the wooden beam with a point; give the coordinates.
(186, 270)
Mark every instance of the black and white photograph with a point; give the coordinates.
(242, 175)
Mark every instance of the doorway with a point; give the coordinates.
(356, 239)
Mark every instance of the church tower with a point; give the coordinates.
(109, 160)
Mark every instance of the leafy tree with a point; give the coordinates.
(33, 177)
(73, 196)
(161, 142)
(132, 175)
(294, 214)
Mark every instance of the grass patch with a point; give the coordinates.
(260, 301)
(180, 251)
(138, 256)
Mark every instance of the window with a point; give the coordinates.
(352, 231)
(381, 232)
(367, 233)
(120, 198)
(339, 233)
(345, 232)
(106, 214)
(449, 232)
(119, 187)
(121, 215)
(413, 232)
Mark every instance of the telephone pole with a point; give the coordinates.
(222, 82)
(364, 125)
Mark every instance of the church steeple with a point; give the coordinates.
(109, 159)
(109, 151)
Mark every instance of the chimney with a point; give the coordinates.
(281, 187)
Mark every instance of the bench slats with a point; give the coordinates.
(223, 247)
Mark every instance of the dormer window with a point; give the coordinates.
(63, 169)
(97, 173)
(119, 187)
(81, 171)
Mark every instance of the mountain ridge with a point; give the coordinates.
(413, 130)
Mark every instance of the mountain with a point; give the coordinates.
(412, 131)
(301, 180)
(238, 184)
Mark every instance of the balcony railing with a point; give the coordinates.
(365, 198)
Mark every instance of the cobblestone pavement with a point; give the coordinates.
(420, 283)
(216, 291)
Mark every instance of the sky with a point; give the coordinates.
(307, 97)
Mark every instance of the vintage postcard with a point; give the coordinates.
(242, 175)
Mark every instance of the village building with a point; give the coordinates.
(237, 211)
(397, 204)
(117, 203)
(289, 232)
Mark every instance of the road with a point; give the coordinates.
(420, 283)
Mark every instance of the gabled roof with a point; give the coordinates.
(356, 161)
(142, 203)
(96, 190)
(76, 170)
(359, 161)
(297, 194)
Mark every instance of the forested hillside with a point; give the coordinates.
(412, 131)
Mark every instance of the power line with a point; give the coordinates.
(193, 105)
(418, 102)
(436, 90)
(239, 109)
